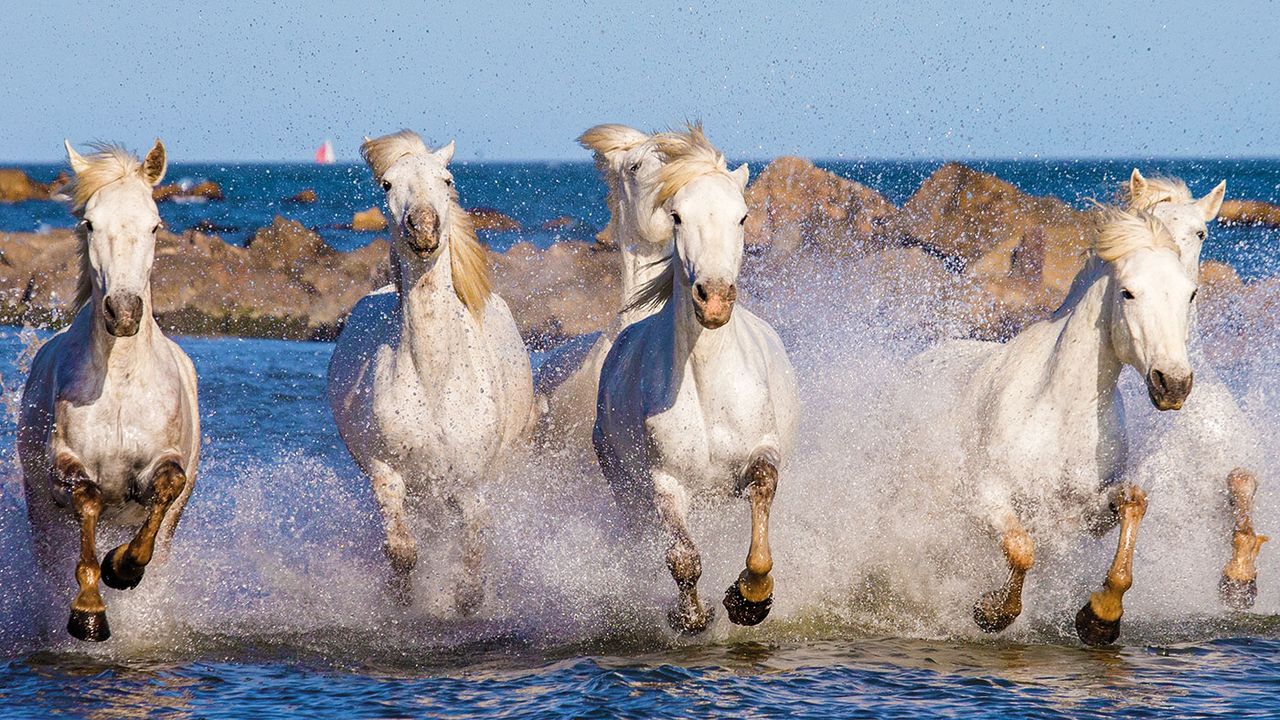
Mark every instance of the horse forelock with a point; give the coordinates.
(382, 152)
(687, 156)
(1126, 231)
(1155, 190)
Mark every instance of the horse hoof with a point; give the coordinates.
(119, 572)
(88, 626)
(691, 622)
(990, 615)
(1237, 594)
(744, 612)
(1095, 631)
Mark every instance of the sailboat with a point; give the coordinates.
(324, 154)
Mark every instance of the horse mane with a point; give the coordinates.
(468, 258)
(687, 156)
(107, 163)
(607, 144)
(1126, 231)
(1155, 191)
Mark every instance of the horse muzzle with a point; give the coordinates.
(1168, 391)
(713, 302)
(421, 231)
(122, 314)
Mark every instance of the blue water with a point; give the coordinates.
(535, 193)
(272, 604)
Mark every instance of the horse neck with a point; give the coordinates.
(120, 354)
(642, 261)
(691, 341)
(427, 302)
(1082, 355)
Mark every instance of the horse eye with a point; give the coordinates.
(635, 168)
(88, 226)
(1202, 234)
(1124, 293)
(743, 221)
(448, 182)
(1193, 294)
(386, 186)
(156, 229)
(675, 218)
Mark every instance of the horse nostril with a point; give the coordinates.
(701, 290)
(1158, 380)
(409, 223)
(109, 309)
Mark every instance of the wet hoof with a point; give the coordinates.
(119, 573)
(1237, 594)
(88, 626)
(744, 612)
(690, 621)
(1095, 631)
(990, 615)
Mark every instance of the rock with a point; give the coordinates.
(792, 201)
(17, 186)
(568, 289)
(303, 197)
(560, 223)
(207, 226)
(174, 192)
(371, 220)
(286, 244)
(1249, 212)
(487, 218)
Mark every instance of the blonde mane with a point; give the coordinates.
(468, 258)
(687, 156)
(1126, 231)
(1155, 190)
(105, 165)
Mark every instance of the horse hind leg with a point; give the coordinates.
(400, 547)
(749, 599)
(1238, 587)
(997, 610)
(1098, 622)
(88, 618)
(689, 616)
(125, 565)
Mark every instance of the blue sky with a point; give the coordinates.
(518, 81)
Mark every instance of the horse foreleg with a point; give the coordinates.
(1098, 622)
(1238, 587)
(400, 547)
(749, 599)
(997, 610)
(689, 615)
(475, 526)
(88, 620)
(125, 565)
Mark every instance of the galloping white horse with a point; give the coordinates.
(430, 382)
(1212, 415)
(109, 424)
(567, 382)
(697, 398)
(1041, 416)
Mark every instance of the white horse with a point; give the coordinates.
(109, 425)
(566, 383)
(1212, 414)
(1041, 418)
(430, 382)
(698, 399)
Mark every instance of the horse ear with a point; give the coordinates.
(155, 163)
(1137, 183)
(78, 163)
(740, 176)
(445, 153)
(1210, 204)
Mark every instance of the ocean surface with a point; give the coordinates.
(272, 603)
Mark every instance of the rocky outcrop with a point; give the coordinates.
(568, 289)
(487, 218)
(371, 220)
(1249, 212)
(303, 197)
(793, 203)
(200, 192)
(17, 186)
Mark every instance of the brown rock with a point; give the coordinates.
(204, 190)
(792, 201)
(303, 197)
(568, 289)
(560, 223)
(371, 220)
(487, 218)
(17, 186)
(1249, 212)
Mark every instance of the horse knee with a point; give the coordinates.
(685, 564)
(168, 482)
(760, 478)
